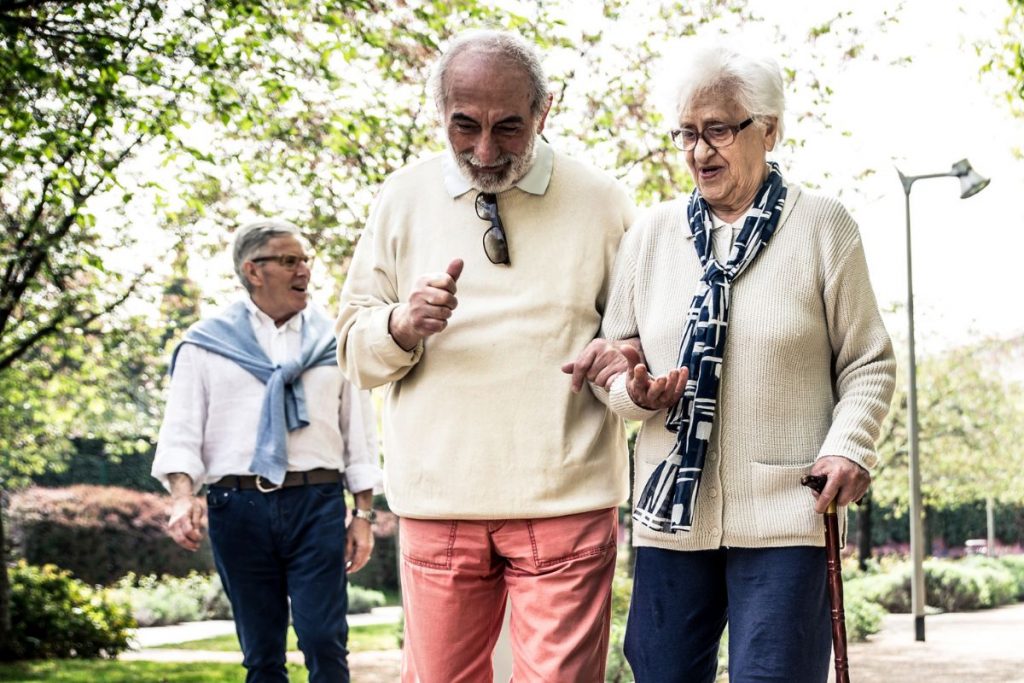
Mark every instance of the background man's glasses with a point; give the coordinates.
(717, 135)
(286, 261)
(495, 242)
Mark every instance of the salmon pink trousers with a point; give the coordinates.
(556, 573)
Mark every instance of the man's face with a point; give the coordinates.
(279, 290)
(491, 130)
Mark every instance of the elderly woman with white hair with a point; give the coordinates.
(725, 532)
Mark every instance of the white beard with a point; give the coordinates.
(516, 166)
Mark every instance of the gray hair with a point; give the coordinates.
(252, 237)
(508, 46)
(753, 81)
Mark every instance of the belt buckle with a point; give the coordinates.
(271, 488)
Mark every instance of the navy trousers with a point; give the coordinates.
(775, 601)
(272, 547)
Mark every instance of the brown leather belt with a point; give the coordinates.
(252, 481)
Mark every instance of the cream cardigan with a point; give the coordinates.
(808, 369)
(479, 421)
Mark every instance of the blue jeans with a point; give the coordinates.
(270, 547)
(774, 599)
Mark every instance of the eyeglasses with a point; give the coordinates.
(717, 135)
(286, 261)
(495, 242)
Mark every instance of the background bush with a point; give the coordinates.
(158, 601)
(1015, 565)
(162, 600)
(99, 533)
(56, 616)
(863, 617)
(381, 572)
(950, 585)
(362, 600)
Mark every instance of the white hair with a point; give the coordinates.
(715, 70)
(509, 46)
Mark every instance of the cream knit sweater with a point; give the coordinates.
(808, 369)
(480, 422)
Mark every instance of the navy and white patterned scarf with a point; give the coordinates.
(668, 499)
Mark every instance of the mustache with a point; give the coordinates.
(471, 159)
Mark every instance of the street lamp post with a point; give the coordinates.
(970, 184)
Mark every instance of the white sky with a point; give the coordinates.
(923, 117)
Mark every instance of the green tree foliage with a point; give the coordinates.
(1014, 32)
(971, 429)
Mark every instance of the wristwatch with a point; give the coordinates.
(370, 515)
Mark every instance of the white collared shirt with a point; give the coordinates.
(213, 408)
(723, 235)
(535, 181)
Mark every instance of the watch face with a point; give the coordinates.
(369, 515)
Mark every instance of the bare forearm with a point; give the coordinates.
(363, 499)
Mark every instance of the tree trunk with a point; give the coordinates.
(990, 526)
(5, 587)
(864, 531)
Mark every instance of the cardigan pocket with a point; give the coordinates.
(784, 508)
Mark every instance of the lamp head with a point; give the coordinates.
(971, 182)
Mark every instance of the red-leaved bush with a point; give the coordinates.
(99, 533)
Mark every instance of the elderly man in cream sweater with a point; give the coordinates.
(481, 271)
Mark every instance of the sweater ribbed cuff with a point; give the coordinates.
(621, 403)
(385, 347)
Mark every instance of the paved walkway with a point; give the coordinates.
(986, 646)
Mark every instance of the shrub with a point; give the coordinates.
(158, 601)
(100, 533)
(162, 600)
(617, 669)
(381, 572)
(891, 591)
(950, 585)
(362, 600)
(56, 616)
(973, 583)
(863, 617)
(1015, 565)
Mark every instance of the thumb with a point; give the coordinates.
(454, 269)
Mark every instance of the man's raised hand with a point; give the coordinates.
(430, 305)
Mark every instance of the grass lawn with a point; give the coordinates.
(360, 639)
(106, 671)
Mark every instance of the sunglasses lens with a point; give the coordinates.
(495, 245)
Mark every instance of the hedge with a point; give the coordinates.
(99, 533)
(950, 585)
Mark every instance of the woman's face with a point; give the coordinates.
(729, 177)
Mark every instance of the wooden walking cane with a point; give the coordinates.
(835, 580)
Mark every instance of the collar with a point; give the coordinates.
(792, 193)
(261, 319)
(535, 181)
(717, 222)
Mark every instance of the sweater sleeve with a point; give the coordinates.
(619, 322)
(863, 361)
(367, 353)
